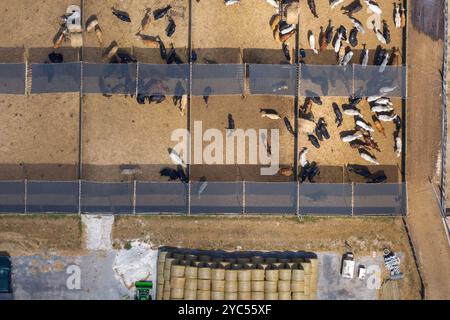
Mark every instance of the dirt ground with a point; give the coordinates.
(317, 235)
(334, 154)
(119, 131)
(123, 33)
(40, 138)
(245, 113)
(29, 235)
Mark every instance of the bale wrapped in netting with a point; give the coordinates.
(298, 275)
(160, 278)
(203, 295)
(285, 273)
(190, 294)
(284, 286)
(284, 295)
(191, 272)
(270, 286)
(159, 291)
(217, 295)
(177, 271)
(257, 295)
(270, 295)
(167, 285)
(166, 295)
(306, 267)
(231, 295)
(218, 274)
(231, 286)
(231, 275)
(299, 296)
(162, 255)
(177, 282)
(244, 286)
(190, 284)
(204, 284)
(204, 273)
(258, 286)
(272, 274)
(314, 265)
(176, 293)
(245, 275)
(244, 295)
(218, 285)
(258, 274)
(298, 286)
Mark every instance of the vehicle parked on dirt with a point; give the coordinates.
(6, 292)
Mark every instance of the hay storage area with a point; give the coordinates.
(211, 276)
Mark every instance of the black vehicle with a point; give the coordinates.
(6, 291)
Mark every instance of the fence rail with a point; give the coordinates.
(207, 79)
(233, 198)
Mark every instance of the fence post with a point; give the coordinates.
(134, 196)
(79, 196)
(243, 197)
(25, 196)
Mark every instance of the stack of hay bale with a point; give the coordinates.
(192, 277)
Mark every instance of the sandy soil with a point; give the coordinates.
(124, 33)
(29, 235)
(119, 131)
(245, 113)
(317, 235)
(40, 140)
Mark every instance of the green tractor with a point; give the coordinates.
(143, 290)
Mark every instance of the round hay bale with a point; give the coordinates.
(184, 263)
(257, 259)
(244, 286)
(159, 292)
(161, 265)
(169, 262)
(204, 273)
(284, 295)
(167, 285)
(307, 279)
(276, 265)
(307, 290)
(298, 286)
(190, 284)
(291, 265)
(244, 275)
(298, 275)
(204, 284)
(177, 293)
(285, 274)
(243, 260)
(177, 271)
(271, 274)
(284, 285)
(204, 258)
(218, 285)
(257, 286)
(231, 296)
(166, 295)
(191, 272)
(218, 274)
(257, 295)
(190, 294)
(244, 295)
(231, 275)
(270, 260)
(298, 296)
(292, 13)
(160, 279)
(203, 295)
(314, 263)
(162, 255)
(270, 295)
(177, 283)
(263, 266)
(258, 274)
(178, 256)
(217, 295)
(306, 267)
(191, 257)
(231, 286)
(270, 286)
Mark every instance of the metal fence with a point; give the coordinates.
(207, 79)
(200, 198)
